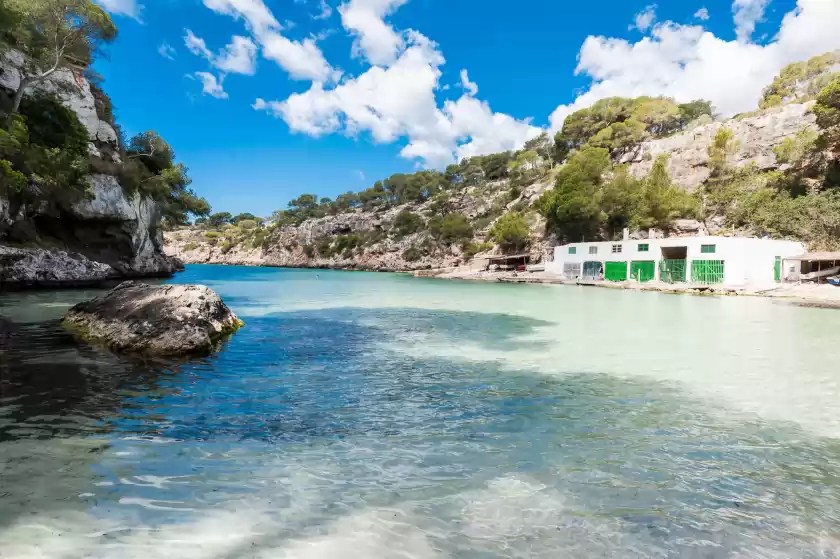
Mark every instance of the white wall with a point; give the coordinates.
(746, 260)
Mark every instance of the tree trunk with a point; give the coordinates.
(18, 96)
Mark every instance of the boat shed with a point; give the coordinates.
(812, 266)
(509, 262)
(703, 260)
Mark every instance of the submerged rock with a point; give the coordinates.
(161, 320)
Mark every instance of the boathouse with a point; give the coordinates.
(705, 260)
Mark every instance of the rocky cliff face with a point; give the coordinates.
(754, 136)
(109, 234)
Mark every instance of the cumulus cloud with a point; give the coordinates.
(702, 14)
(398, 101)
(128, 8)
(376, 40)
(645, 19)
(210, 85)
(302, 60)
(167, 51)
(746, 14)
(239, 57)
(687, 62)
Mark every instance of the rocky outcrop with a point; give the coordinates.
(754, 138)
(287, 246)
(165, 320)
(46, 268)
(106, 234)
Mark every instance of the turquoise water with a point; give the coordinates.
(382, 416)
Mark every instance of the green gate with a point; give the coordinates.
(707, 271)
(778, 270)
(615, 271)
(643, 271)
(672, 271)
(592, 270)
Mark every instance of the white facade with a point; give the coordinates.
(745, 261)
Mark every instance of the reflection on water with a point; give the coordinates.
(364, 415)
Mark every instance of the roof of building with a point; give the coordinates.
(816, 257)
(508, 257)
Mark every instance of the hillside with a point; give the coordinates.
(78, 202)
(637, 163)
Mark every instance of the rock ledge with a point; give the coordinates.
(162, 320)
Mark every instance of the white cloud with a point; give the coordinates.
(470, 87)
(702, 14)
(197, 46)
(239, 57)
(375, 40)
(326, 11)
(211, 86)
(303, 60)
(167, 51)
(399, 101)
(128, 8)
(361, 175)
(746, 14)
(687, 62)
(645, 19)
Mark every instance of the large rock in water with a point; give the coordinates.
(161, 320)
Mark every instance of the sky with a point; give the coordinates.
(266, 99)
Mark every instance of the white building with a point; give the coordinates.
(729, 261)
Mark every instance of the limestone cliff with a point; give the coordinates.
(293, 246)
(108, 234)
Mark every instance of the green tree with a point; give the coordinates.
(244, 216)
(689, 112)
(56, 35)
(721, 151)
(571, 208)
(219, 219)
(511, 232)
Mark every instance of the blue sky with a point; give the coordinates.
(345, 94)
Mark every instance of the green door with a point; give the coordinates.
(707, 271)
(778, 274)
(672, 271)
(615, 271)
(643, 271)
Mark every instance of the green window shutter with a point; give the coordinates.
(572, 250)
(644, 247)
(708, 249)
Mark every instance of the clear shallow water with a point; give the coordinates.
(379, 416)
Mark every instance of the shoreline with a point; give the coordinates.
(821, 296)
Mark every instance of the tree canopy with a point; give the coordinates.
(54, 35)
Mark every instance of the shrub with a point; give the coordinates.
(450, 228)
(226, 247)
(309, 251)
(412, 254)
(247, 224)
(407, 223)
(190, 246)
(511, 231)
(470, 249)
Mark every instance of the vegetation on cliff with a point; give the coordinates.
(502, 200)
(44, 148)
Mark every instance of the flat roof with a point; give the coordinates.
(816, 257)
(511, 257)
